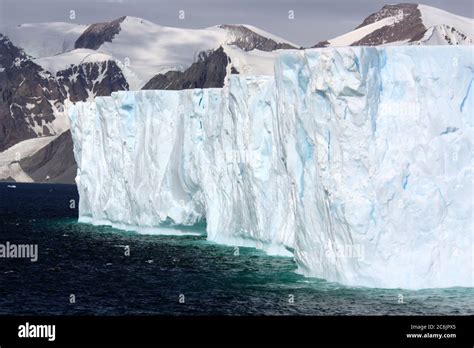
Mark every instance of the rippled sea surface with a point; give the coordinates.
(90, 263)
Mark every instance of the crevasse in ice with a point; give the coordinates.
(355, 161)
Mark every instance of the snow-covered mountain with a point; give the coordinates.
(33, 97)
(30, 96)
(44, 39)
(148, 49)
(408, 24)
(143, 48)
(32, 107)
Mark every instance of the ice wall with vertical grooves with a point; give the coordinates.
(356, 161)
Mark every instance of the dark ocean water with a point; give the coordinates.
(90, 262)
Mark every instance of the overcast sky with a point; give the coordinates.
(314, 20)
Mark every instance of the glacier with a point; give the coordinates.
(355, 161)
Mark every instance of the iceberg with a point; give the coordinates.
(355, 161)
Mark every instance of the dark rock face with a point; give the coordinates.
(248, 40)
(409, 28)
(82, 80)
(96, 34)
(390, 11)
(53, 163)
(208, 72)
(322, 44)
(27, 94)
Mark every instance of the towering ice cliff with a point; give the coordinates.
(355, 161)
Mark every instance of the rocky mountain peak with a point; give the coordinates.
(28, 94)
(403, 23)
(247, 40)
(99, 33)
(401, 10)
(208, 72)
